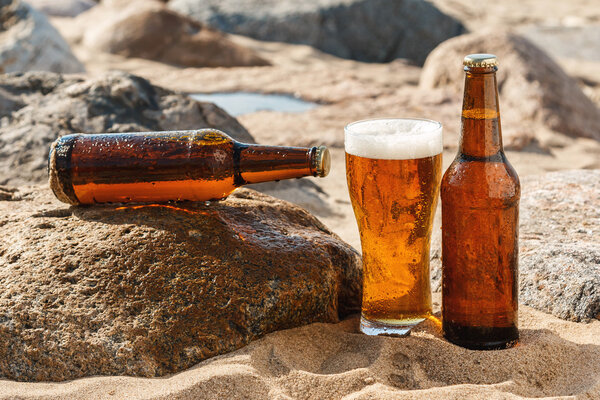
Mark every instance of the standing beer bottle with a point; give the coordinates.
(160, 166)
(480, 212)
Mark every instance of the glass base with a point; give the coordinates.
(392, 327)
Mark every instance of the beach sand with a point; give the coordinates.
(554, 359)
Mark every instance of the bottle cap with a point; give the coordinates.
(480, 60)
(322, 161)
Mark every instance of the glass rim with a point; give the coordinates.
(436, 124)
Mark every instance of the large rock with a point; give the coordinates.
(532, 86)
(137, 29)
(151, 290)
(560, 244)
(62, 8)
(559, 250)
(365, 30)
(28, 42)
(44, 106)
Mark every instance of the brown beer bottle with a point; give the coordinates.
(480, 211)
(196, 165)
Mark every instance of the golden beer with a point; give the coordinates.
(393, 168)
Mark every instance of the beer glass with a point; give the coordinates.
(393, 169)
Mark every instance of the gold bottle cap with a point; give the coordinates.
(322, 161)
(480, 60)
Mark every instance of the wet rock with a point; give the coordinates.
(532, 87)
(559, 251)
(30, 43)
(365, 30)
(560, 244)
(137, 29)
(154, 289)
(52, 105)
(62, 8)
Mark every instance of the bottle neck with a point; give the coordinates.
(259, 163)
(481, 134)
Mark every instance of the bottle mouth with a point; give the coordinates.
(322, 161)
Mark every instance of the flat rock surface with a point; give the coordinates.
(365, 30)
(154, 289)
(28, 42)
(40, 107)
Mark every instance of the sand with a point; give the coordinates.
(555, 358)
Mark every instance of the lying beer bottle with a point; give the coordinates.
(196, 165)
(480, 211)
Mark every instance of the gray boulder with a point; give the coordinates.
(39, 107)
(152, 290)
(364, 30)
(559, 246)
(28, 42)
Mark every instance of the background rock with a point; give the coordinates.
(365, 30)
(28, 42)
(560, 244)
(62, 8)
(147, 29)
(559, 251)
(55, 105)
(150, 290)
(532, 87)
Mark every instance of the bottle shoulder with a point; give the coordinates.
(477, 180)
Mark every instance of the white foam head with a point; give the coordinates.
(394, 139)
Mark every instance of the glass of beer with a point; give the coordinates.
(393, 168)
